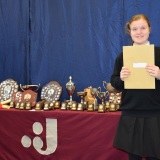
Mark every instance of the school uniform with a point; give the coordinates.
(138, 131)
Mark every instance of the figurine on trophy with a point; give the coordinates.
(70, 87)
(94, 93)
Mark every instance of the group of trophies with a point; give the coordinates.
(89, 100)
(11, 97)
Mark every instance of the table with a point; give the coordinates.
(58, 135)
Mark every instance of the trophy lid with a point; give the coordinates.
(70, 85)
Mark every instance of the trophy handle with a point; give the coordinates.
(99, 89)
(21, 87)
(37, 87)
(107, 94)
(104, 84)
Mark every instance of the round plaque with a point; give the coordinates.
(51, 92)
(7, 89)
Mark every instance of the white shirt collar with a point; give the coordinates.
(148, 43)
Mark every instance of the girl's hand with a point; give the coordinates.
(153, 71)
(124, 73)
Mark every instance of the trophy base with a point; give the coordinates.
(57, 105)
(46, 106)
(73, 106)
(64, 106)
(12, 104)
(39, 105)
(51, 105)
(80, 107)
(101, 108)
(28, 105)
(112, 107)
(107, 105)
(22, 106)
(90, 108)
(17, 105)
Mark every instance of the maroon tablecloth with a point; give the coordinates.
(58, 135)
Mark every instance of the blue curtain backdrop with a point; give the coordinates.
(50, 40)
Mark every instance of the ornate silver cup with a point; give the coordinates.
(70, 87)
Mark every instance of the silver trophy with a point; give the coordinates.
(70, 87)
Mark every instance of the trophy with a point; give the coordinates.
(29, 87)
(73, 106)
(39, 105)
(57, 104)
(101, 108)
(8, 89)
(114, 97)
(103, 96)
(70, 87)
(22, 105)
(94, 93)
(112, 107)
(64, 105)
(46, 105)
(81, 95)
(29, 96)
(81, 104)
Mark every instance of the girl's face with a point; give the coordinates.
(139, 31)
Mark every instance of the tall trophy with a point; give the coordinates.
(94, 93)
(70, 87)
